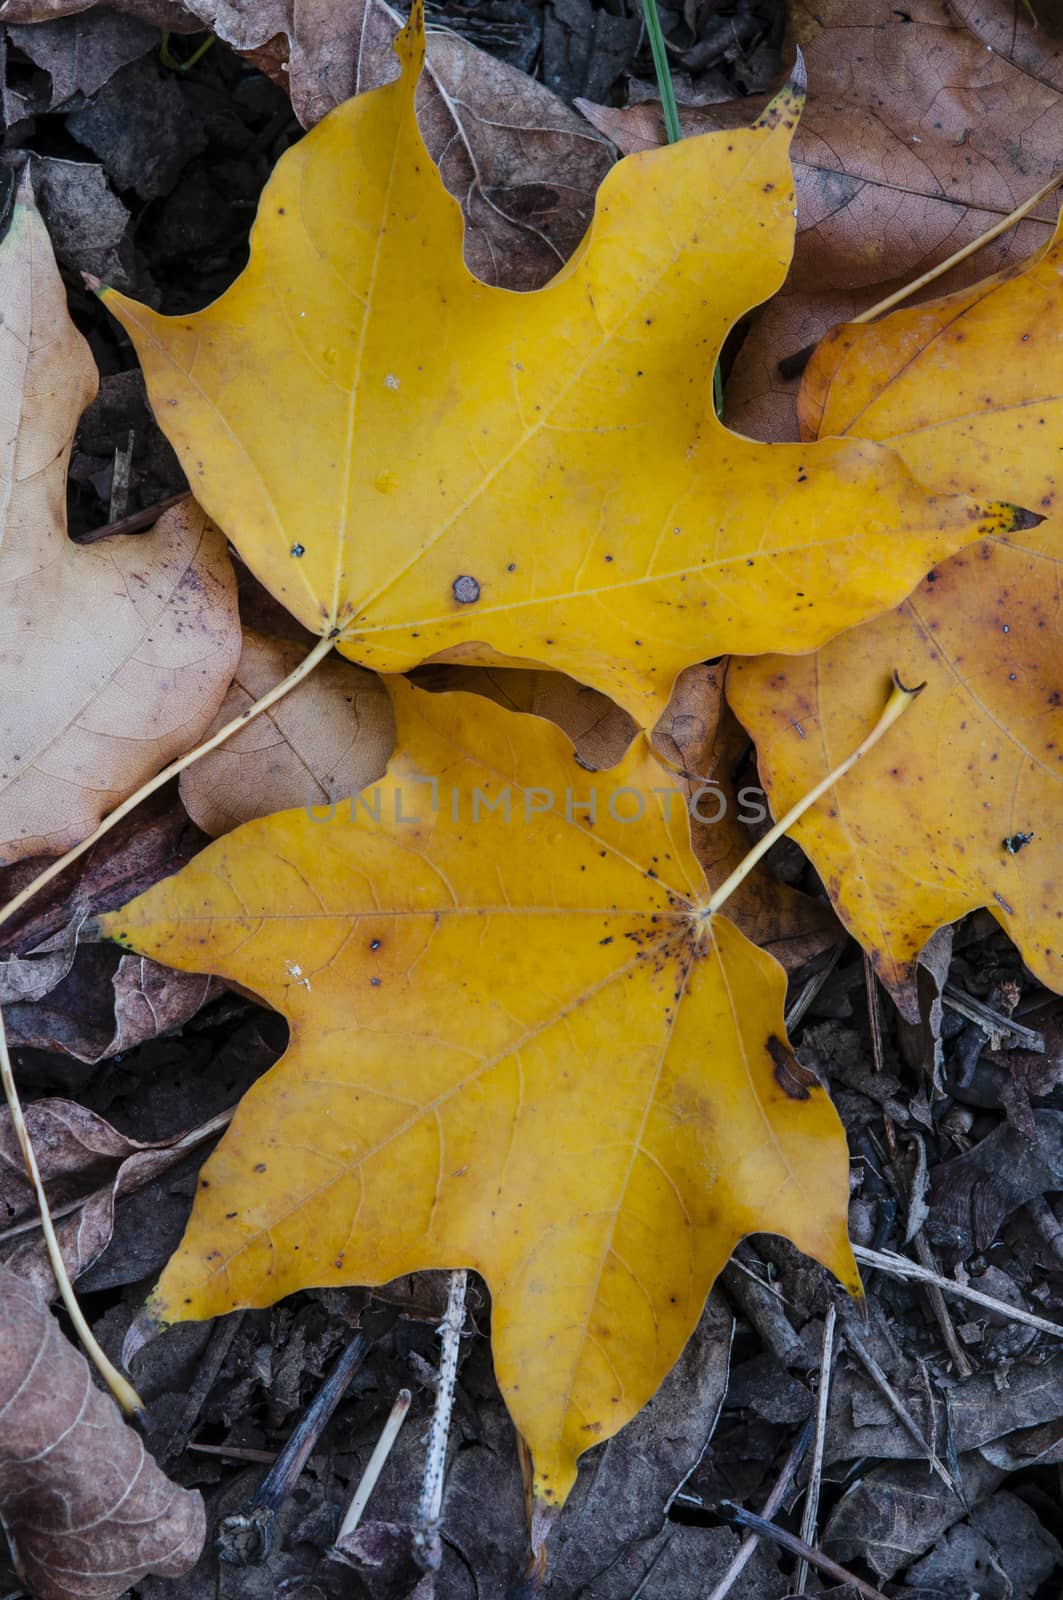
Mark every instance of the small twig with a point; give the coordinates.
(904, 1416)
(815, 1475)
(375, 1465)
(427, 1545)
(811, 988)
(246, 1537)
(994, 1022)
(136, 521)
(744, 1554)
(798, 1547)
(962, 254)
(279, 690)
(874, 1020)
(901, 1267)
(119, 1386)
(957, 1354)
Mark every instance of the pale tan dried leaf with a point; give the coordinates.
(86, 1510)
(87, 1166)
(916, 139)
(115, 656)
(323, 742)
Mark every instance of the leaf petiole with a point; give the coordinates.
(270, 698)
(897, 704)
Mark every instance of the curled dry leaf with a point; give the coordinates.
(962, 808)
(87, 1166)
(86, 1510)
(115, 658)
(485, 985)
(473, 463)
(324, 741)
(915, 140)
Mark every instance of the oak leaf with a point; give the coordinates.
(962, 807)
(519, 1043)
(540, 476)
(86, 1510)
(114, 657)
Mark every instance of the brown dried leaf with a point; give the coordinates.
(522, 165)
(916, 138)
(87, 1166)
(86, 1510)
(329, 738)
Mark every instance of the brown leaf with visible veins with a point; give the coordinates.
(916, 138)
(523, 167)
(86, 1510)
(86, 1166)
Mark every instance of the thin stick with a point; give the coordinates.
(119, 1386)
(899, 701)
(954, 260)
(744, 1554)
(815, 1475)
(279, 690)
(798, 1547)
(427, 1544)
(246, 1537)
(135, 522)
(882, 1383)
(901, 1267)
(375, 1465)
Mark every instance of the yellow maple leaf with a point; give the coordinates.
(519, 1043)
(424, 463)
(962, 808)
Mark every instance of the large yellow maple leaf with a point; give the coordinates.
(423, 463)
(519, 1043)
(963, 807)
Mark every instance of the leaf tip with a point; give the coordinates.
(410, 42)
(785, 108)
(1000, 516)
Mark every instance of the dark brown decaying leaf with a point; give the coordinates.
(86, 1510)
(77, 998)
(86, 1166)
(522, 165)
(916, 138)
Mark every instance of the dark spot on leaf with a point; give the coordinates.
(793, 1079)
(466, 590)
